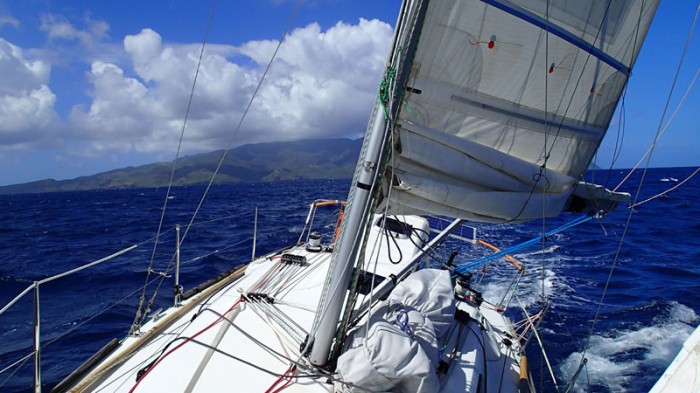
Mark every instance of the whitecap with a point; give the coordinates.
(615, 357)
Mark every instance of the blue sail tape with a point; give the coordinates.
(567, 36)
(483, 261)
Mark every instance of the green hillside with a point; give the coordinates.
(263, 162)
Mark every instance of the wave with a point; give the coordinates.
(616, 357)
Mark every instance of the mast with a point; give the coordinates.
(360, 201)
(346, 250)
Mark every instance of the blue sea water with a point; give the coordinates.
(651, 305)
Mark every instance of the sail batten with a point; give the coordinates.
(506, 99)
(559, 32)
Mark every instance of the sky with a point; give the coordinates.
(91, 85)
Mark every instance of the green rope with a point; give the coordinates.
(385, 89)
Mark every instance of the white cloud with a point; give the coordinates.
(58, 27)
(26, 102)
(7, 19)
(322, 84)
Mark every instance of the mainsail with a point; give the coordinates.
(506, 102)
(492, 110)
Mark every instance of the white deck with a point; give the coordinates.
(683, 374)
(250, 361)
(260, 340)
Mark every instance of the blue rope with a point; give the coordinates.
(463, 269)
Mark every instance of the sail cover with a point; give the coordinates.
(506, 102)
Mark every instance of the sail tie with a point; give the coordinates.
(402, 322)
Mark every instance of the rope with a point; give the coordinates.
(385, 89)
(639, 188)
(660, 131)
(138, 319)
(480, 262)
(667, 191)
(223, 156)
(508, 257)
(539, 340)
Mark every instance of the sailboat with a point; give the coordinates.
(489, 111)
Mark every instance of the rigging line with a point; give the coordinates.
(546, 157)
(151, 366)
(250, 337)
(389, 237)
(621, 129)
(483, 350)
(622, 120)
(539, 340)
(291, 371)
(659, 131)
(482, 261)
(78, 326)
(301, 275)
(639, 188)
(284, 344)
(172, 170)
(21, 361)
(235, 132)
(578, 82)
(668, 123)
(217, 251)
(248, 363)
(177, 330)
(292, 328)
(245, 113)
(641, 182)
(667, 191)
(621, 126)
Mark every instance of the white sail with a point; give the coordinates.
(506, 102)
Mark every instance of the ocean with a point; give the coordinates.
(651, 305)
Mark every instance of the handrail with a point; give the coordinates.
(60, 275)
(37, 318)
(16, 299)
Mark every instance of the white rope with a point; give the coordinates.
(668, 123)
(539, 340)
(667, 191)
(660, 131)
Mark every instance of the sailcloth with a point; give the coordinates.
(505, 103)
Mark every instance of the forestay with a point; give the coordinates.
(506, 102)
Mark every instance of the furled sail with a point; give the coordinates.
(506, 102)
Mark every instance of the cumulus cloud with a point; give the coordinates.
(26, 102)
(321, 84)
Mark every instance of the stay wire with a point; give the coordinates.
(667, 191)
(138, 319)
(233, 135)
(659, 130)
(639, 188)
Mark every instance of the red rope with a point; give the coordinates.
(188, 339)
(291, 371)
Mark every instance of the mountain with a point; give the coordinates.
(263, 162)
